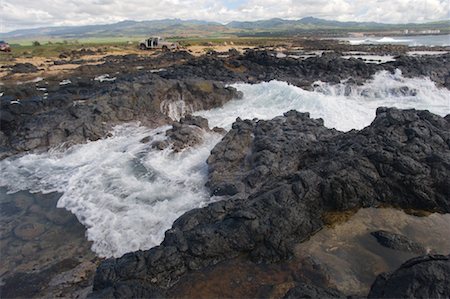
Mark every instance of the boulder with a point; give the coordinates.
(24, 68)
(397, 242)
(279, 177)
(421, 277)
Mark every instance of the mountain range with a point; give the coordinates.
(178, 27)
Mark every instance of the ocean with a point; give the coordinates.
(127, 194)
(409, 40)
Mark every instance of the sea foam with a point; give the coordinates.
(342, 106)
(128, 194)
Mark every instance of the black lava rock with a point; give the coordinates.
(281, 176)
(397, 242)
(422, 277)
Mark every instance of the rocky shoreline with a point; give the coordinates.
(85, 105)
(281, 176)
(278, 178)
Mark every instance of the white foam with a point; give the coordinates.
(65, 82)
(104, 77)
(128, 194)
(341, 106)
(124, 192)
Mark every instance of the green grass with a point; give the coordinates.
(53, 49)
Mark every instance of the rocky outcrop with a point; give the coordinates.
(86, 109)
(149, 88)
(279, 177)
(260, 65)
(422, 277)
(188, 132)
(397, 242)
(24, 68)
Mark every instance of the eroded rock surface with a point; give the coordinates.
(280, 176)
(87, 109)
(397, 242)
(422, 277)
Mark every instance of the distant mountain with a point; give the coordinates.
(124, 28)
(316, 23)
(177, 27)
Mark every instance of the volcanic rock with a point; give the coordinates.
(24, 68)
(422, 277)
(397, 242)
(87, 109)
(186, 133)
(281, 176)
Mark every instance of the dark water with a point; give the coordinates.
(44, 252)
(351, 256)
(346, 257)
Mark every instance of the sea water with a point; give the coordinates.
(411, 40)
(127, 194)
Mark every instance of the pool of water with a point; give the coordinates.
(44, 252)
(352, 258)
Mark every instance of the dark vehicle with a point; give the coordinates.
(4, 46)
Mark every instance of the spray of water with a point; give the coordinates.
(127, 194)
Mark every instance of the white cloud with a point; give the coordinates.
(15, 14)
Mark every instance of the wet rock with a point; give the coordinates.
(86, 109)
(75, 275)
(397, 242)
(308, 290)
(146, 139)
(186, 133)
(422, 277)
(29, 231)
(281, 176)
(29, 285)
(59, 62)
(24, 68)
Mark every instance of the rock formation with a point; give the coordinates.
(280, 176)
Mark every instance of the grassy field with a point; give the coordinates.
(29, 48)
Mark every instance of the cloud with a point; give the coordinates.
(16, 14)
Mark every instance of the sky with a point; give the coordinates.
(20, 14)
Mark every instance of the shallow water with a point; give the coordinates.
(127, 194)
(37, 242)
(345, 257)
(352, 258)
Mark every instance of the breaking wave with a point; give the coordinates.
(128, 194)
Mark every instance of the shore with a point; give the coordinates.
(266, 170)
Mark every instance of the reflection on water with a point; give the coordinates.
(44, 253)
(346, 257)
(43, 249)
(351, 256)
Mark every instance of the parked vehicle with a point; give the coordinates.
(4, 46)
(157, 42)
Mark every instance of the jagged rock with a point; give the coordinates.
(261, 65)
(284, 174)
(397, 242)
(186, 133)
(24, 68)
(87, 109)
(422, 277)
